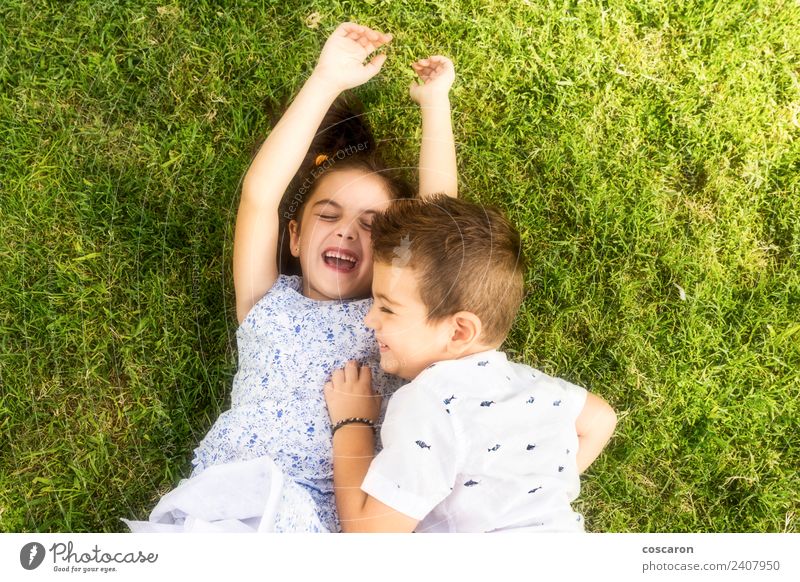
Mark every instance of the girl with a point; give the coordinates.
(266, 464)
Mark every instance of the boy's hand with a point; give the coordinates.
(437, 75)
(341, 63)
(349, 394)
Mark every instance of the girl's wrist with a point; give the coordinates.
(322, 83)
(436, 102)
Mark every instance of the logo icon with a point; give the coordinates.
(31, 555)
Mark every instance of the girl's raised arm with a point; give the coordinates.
(341, 66)
(438, 172)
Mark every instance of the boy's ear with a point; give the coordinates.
(465, 331)
(294, 238)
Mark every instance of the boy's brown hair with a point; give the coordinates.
(467, 257)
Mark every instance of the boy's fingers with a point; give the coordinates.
(351, 372)
(365, 375)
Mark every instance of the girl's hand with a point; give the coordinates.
(349, 394)
(341, 63)
(437, 75)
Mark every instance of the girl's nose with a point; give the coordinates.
(347, 230)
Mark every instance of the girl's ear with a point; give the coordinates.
(294, 238)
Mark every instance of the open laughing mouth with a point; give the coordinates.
(340, 260)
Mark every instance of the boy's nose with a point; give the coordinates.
(369, 319)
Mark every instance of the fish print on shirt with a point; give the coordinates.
(487, 403)
(471, 483)
(493, 449)
(483, 363)
(556, 403)
(534, 490)
(423, 445)
(530, 447)
(530, 400)
(447, 402)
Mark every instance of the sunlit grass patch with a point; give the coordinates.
(648, 153)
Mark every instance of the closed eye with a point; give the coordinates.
(327, 217)
(385, 310)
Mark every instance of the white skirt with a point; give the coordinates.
(244, 496)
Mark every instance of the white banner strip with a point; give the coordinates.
(456, 557)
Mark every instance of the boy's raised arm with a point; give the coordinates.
(341, 66)
(438, 171)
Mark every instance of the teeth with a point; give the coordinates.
(338, 255)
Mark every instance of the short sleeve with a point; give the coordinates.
(574, 396)
(386, 385)
(416, 469)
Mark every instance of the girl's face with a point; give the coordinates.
(333, 244)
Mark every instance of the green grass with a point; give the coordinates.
(643, 148)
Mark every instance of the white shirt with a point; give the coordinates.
(481, 444)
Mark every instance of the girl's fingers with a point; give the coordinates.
(348, 27)
(377, 62)
(363, 34)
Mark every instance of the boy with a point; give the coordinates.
(474, 442)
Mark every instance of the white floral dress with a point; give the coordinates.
(289, 345)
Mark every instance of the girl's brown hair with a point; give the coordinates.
(343, 141)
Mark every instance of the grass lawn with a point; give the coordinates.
(648, 151)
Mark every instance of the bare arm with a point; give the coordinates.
(349, 395)
(255, 266)
(595, 425)
(353, 451)
(438, 171)
(341, 66)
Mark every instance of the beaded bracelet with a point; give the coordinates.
(347, 421)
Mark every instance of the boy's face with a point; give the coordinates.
(408, 343)
(333, 243)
